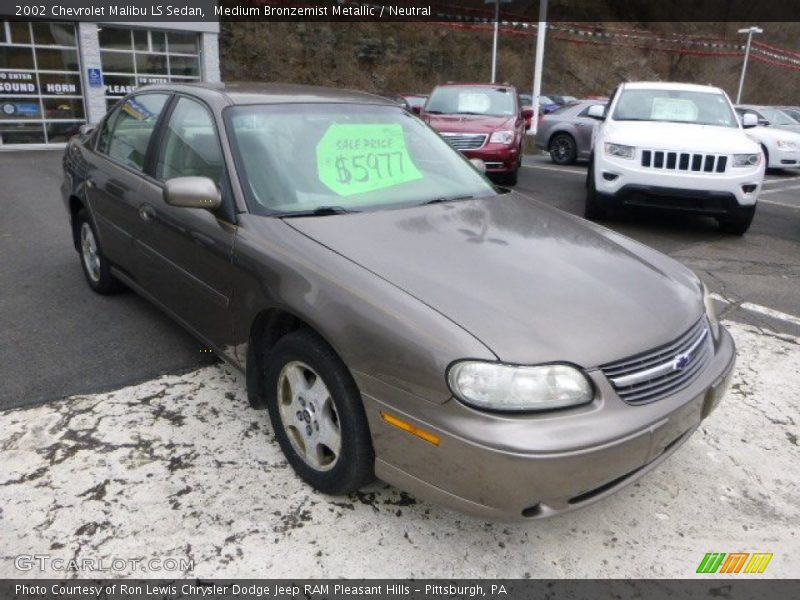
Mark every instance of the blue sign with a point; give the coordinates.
(95, 77)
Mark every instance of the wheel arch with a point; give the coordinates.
(559, 132)
(75, 206)
(765, 150)
(268, 327)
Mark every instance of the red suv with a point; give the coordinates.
(482, 120)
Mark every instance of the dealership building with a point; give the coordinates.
(56, 76)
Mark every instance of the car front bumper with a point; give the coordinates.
(508, 467)
(499, 158)
(613, 176)
(782, 159)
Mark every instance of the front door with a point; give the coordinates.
(188, 251)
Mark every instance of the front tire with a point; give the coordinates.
(512, 177)
(593, 209)
(95, 265)
(737, 225)
(317, 414)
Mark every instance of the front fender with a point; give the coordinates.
(376, 328)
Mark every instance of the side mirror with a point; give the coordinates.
(527, 112)
(192, 192)
(416, 109)
(749, 120)
(478, 164)
(597, 111)
(86, 129)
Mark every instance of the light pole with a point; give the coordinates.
(537, 65)
(496, 34)
(749, 31)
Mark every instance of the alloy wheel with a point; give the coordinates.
(308, 415)
(89, 252)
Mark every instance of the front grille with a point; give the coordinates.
(656, 374)
(465, 141)
(684, 161)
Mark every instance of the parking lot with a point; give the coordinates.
(155, 451)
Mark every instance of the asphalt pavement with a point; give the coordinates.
(57, 337)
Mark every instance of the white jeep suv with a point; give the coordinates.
(674, 146)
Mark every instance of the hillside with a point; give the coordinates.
(415, 57)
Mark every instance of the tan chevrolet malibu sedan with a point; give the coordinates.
(398, 315)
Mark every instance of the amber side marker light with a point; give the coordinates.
(406, 426)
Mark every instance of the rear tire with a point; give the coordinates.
(737, 225)
(593, 209)
(95, 265)
(563, 149)
(317, 414)
(511, 177)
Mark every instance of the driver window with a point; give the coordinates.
(190, 147)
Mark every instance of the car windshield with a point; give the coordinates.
(327, 158)
(775, 116)
(675, 106)
(472, 100)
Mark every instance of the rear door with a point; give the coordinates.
(115, 176)
(584, 127)
(188, 251)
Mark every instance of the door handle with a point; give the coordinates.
(147, 212)
(90, 183)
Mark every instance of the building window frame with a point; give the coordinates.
(40, 96)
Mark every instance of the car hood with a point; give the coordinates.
(469, 123)
(679, 136)
(531, 282)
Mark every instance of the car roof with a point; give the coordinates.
(273, 93)
(669, 85)
(476, 84)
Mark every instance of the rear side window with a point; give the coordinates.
(562, 109)
(190, 146)
(133, 128)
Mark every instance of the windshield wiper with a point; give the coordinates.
(320, 211)
(445, 199)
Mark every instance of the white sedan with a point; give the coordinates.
(781, 148)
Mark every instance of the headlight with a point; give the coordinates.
(711, 313)
(502, 137)
(495, 386)
(786, 144)
(746, 160)
(620, 151)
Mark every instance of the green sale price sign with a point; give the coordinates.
(354, 159)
